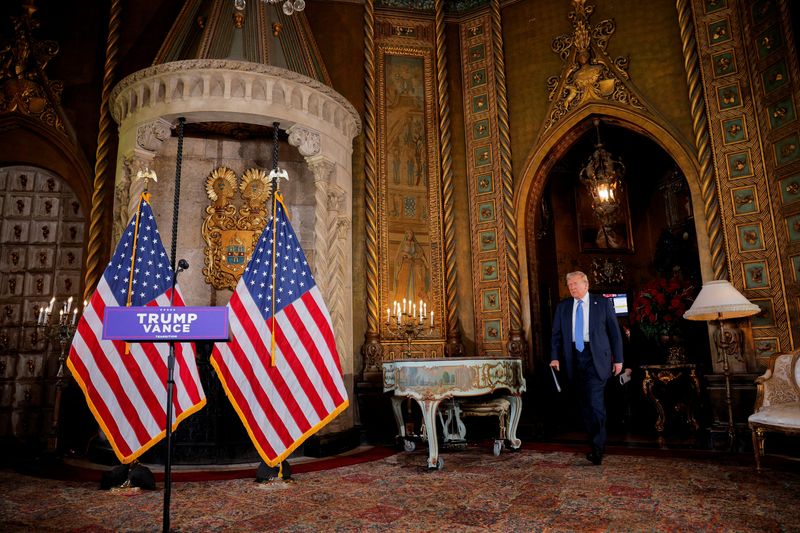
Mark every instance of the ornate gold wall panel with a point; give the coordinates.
(489, 269)
(748, 78)
(409, 210)
(231, 232)
(769, 46)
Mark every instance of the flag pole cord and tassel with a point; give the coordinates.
(171, 358)
(133, 249)
(275, 188)
(143, 197)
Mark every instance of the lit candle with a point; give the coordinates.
(41, 316)
(69, 304)
(74, 316)
(431, 318)
(387, 315)
(52, 303)
(414, 310)
(404, 305)
(85, 303)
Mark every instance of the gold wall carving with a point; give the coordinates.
(25, 87)
(409, 210)
(589, 72)
(486, 187)
(753, 127)
(231, 232)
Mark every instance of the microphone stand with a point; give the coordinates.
(182, 265)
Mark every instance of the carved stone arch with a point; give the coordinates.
(552, 147)
(37, 145)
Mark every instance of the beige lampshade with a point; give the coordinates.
(719, 299)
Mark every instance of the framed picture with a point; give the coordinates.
(596, 237)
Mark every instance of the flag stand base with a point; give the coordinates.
(266, 473)
(128, 478)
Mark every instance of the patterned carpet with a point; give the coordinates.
(524, 491)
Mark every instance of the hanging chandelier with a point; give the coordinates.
(602, 176)
(289, 6)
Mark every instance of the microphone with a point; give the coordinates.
(183, 264)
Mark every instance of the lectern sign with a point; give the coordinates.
(160, 324)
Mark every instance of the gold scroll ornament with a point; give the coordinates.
(231, 232)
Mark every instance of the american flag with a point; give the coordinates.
(284, 403)
(127, 391)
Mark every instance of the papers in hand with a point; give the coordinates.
(555, 379)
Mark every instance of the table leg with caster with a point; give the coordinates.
(429, 408)
(513, 420)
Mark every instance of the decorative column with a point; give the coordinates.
(328, 271)
(96, 247)
(372, 351)
(708, 178)
(454, 347)
(149, 139)
(517, 347)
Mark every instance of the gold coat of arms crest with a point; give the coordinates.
(231, 232)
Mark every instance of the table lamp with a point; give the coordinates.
(719, 300)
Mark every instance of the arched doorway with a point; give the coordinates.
(656, 238)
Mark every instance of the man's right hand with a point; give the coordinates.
(554, 364)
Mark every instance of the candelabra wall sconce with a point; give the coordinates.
(408, 320)
(60, 330)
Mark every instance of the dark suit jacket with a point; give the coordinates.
(605, 339)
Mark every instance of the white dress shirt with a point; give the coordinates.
(585, 300)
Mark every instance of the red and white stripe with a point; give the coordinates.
(281, 405)
(127, 392)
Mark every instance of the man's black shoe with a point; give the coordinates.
(594, 457)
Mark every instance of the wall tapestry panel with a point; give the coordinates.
(489, 274)
(410, 205)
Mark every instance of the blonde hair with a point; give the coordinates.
(577, 273)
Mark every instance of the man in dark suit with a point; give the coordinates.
(586, 339)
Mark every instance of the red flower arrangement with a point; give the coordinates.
(659, 307)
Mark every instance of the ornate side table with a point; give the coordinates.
(676, 386)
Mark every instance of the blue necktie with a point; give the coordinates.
(579, 326)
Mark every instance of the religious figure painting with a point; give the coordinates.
(411, 270)
(611, 235)
(405, 122)
(407, 178)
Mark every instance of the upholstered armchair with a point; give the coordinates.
(777, 402)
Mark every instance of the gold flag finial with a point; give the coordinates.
(146, 174)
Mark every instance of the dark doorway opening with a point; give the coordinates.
(654, 240)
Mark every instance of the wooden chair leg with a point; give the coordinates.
(758, 445)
